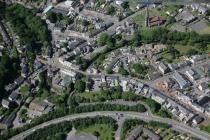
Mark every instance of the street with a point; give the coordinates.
(130, 115)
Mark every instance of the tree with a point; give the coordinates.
(136, 40)
(79, 86)
(7, 65)
(85, 23)
(110, 42)
(125, 5)
(59, 136)
(70, 88)
(123, 71)
(170, 20)
(78, 60)
(192, 52)
(173, 52)
(31, 29)
(102, 39)
(96, 133)
(110, 10)
(52, 17)
(139, 68)
(72, 101)
(109, 71)
(154, 106)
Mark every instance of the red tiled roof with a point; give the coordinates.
(156, 20)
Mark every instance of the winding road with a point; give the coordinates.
(130, 115)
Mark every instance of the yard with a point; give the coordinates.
(105, 131)
(167, 57)
(92, 96)
(140, 19)
(183, 49)
(178, 27)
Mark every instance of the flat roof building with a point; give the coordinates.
(181, 80)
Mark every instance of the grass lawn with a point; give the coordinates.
(93, 96)
(140, 19)
(183, 49)
(105, 131)
(166, 134)
(167, 58)
(178, 27)
(205, 30)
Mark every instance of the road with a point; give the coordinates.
(182, 70)
(131, 115)
(169, 75)
(94, 14)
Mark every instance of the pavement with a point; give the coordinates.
(82, 136)
(94, 14)
(129, 115)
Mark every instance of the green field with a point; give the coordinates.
(167, 58)
(105, 131)
(183, 48)
(205, 30)
(92, 96)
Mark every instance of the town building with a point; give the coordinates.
(155, 21)
(192, 75)
(6, 103)
(158, 97)
(163, 68)
(181, 80)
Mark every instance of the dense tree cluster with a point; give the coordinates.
(2, 9)
(139, 70)
(110, 94)
(128, 125)
(110, 10)
(30, 28)
(84, 63)
(79, 86)
(123, 71)
(154, 106)
(57, 17)
(58, 131)
(157, 109)
(168, 37)
(78, 109)
(9, 70)
(9, 65)
(105, 39)
(205, 128)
